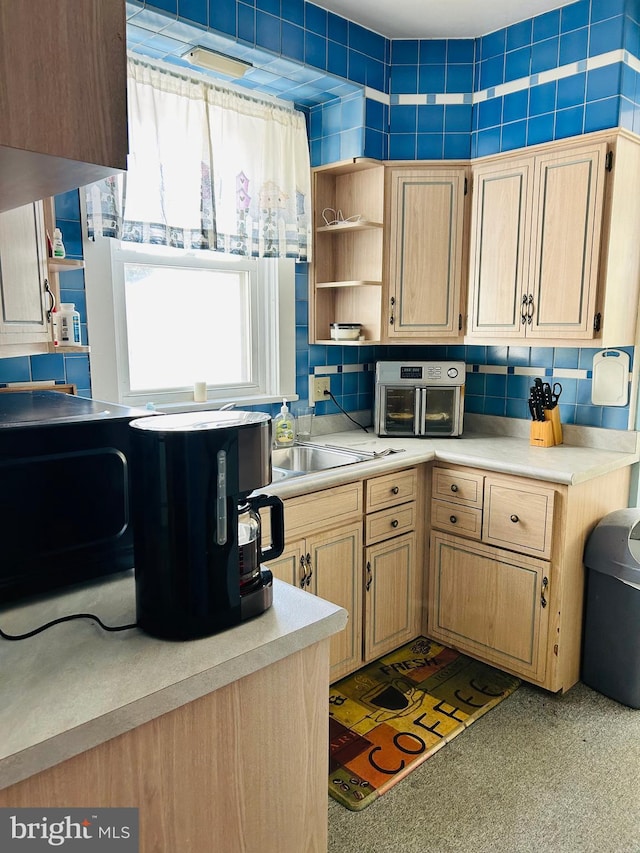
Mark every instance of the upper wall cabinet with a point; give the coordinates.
(554, 249)
(29, 281)
(535, 242)
(24, 322)
(425, 230)
(62, 98)
(346, 274)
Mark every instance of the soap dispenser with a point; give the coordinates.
(284, 430)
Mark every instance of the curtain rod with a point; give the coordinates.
(198, 77)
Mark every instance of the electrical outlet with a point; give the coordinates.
(319, 385)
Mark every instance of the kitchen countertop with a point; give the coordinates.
(75, 686)
(567, 464)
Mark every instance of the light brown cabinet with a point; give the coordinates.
(381, 586)
(393, 576)
(330, 565)
(346, 273)
(553, 248)
(536, 222)
(487, 602)
(425, 228)
(506, 579)
(323, 556)
(394, 258)
(67, 125)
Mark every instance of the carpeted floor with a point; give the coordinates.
(539, 774)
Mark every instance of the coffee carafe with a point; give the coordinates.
(196, 523)
(250, 551)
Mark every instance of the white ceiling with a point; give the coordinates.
(423, 19)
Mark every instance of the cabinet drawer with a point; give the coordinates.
(461, 487)
(466, 521)
(323, 509)
(519, 518)
(391, 489)
(390, 522)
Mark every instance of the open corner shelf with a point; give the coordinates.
(64, 264)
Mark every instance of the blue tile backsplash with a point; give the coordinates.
(563, 73)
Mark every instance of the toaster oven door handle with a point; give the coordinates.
(420, 412)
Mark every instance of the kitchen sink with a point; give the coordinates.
(307, 458)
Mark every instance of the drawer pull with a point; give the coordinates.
(454, 488)
(515, 519)
(395, 490)
(395, 522)
(453, 519)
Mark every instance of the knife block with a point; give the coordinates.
(541, 434)
(552, 416)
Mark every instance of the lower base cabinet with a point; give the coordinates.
(330, 565)
(392, 590)
(506, 573)
(491, 602)
(381, 586)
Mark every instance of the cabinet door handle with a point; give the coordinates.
(454, 488)
(514, 518)
(545, 584)
(309, 569)
(391, 317)
(453, 519)
(395, 490)
(523, 311)
(395, 522)
(369, 576)
(530, 309)
(52, 299)
(303, 579)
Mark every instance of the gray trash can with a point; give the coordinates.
(611, 649)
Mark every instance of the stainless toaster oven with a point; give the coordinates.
(419, 398)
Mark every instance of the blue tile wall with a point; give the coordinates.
(559, 74)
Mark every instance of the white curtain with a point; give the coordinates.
(209, 168)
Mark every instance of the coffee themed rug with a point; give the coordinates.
(390, 716)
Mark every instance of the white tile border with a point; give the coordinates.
(549, 76)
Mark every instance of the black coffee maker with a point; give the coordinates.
(196, 529)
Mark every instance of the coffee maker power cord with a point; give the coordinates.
(44, 627)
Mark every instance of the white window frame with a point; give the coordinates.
(273, 327)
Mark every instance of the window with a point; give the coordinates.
(161, 319)
(214, 210)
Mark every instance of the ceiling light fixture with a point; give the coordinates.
(217, 62)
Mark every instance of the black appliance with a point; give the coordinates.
(193, 475)
(64, 496)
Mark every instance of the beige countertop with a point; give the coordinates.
(75, 686)
(594, 453)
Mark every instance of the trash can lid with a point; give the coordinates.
(613, 547)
